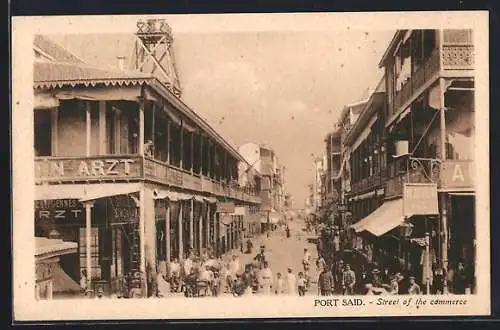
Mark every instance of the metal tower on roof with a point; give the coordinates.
(154, 53)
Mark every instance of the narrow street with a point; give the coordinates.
(283, 252)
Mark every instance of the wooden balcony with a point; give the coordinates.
(453, 57)
(368, 184)
(426, 74)
(119, 168)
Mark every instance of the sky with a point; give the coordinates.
(283, 86)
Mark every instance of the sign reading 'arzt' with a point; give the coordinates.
(87, 168)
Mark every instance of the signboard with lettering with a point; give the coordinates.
(457, 174)
(101, 168)
(68, 210)
(225, 208)
(121, 209)
(420, 198)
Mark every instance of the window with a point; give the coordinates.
(42, 133)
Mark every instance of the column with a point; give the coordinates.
(167, 232)
(181, 238)
(209, 159)
(207, 229)
(54, 121)
(168, 141)
(182, 146)
(200, 229)
(191, 224)
(88, 127)
(191, 139)
(141, 128)
(102, 127)
(142, 226)
(153, 119)
(442, 119)
(88, 250)
(201, 154)
(444, 235)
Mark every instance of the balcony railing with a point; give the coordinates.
(458, 56)
(426, 72)
(369, 183)
(133, 168)
(410, 170)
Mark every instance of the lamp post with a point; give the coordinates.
(427, 262)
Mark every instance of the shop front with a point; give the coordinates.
(409, 222)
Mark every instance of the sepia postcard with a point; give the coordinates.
(250, 166)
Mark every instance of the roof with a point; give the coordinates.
(47, 248)
(58, 74)
(397, 36)
(54, 50)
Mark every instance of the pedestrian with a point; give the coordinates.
(266, 279)
(413, 288)
(279, 287)
(248, 279)
(83, 280)
(348, 280)
(163, 287)
(376, 278)
(291, 282)
(460, 279)
(234, 266)
(320, 264)
(360, 287)
(301, 284)
(306, 260)
(287, 229)
(338, 274)
(326, 282)
(394, 286)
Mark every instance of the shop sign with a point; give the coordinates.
(457, 174)
(225, 208)
(102, 168)
(59, 209)
(420, 199)
(123, 208)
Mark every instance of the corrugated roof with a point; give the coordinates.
(54, 50)
(57, 74)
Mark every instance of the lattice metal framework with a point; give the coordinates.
(154, 54)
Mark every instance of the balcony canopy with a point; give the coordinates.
(387, 217)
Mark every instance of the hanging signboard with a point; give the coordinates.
(420, 198)
(225, 208)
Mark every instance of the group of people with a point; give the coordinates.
(341, 279)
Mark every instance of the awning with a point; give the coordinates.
(387, 217)
(83, 192)
(97, 191)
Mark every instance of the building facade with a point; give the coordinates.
(427, 135)
(128, 171)
(263, 160)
